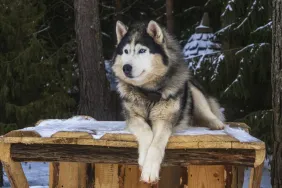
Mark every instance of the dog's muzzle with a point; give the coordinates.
(127, 69)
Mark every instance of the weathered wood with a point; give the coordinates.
(54, 171)
(90, 154)
(106, 176)
(15, 175)
(129, 177)
(179, 143)
(206, 176)
(183, 177)
(66, 174)
(13, 169)
(237, 176)
(170, 177)
(255, 177)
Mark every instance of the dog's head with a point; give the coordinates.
(141, 56)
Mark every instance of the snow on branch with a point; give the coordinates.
(251, 48)
(224, 29)
(264, 27)
(248, 16)
(228, 7)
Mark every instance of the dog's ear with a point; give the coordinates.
(121, 30)
(155, 31)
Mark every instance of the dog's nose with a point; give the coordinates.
(127, 69)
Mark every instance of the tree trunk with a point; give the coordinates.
(118, 10)
(276, 172)
(1, 175)
(95, 95)
(169, 16)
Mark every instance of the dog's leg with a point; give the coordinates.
(144, 136)
(202, 112)
(162, 131)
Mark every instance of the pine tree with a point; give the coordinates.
(241, 71)
(34, 76)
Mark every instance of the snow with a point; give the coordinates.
(228, 7)
(97, 129)
(37, 174)
(224, 29)
(266, 26)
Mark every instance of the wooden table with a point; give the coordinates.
(78, 160)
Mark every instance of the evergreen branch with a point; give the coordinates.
(42, 30)
(248, 16)
(268, 25)
(120, 12)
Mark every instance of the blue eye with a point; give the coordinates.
(126, 51)
(141, 51)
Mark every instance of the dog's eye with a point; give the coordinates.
(126, 51)
(141, 51)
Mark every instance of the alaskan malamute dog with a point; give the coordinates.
(158, 95)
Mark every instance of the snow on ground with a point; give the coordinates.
(37, 175)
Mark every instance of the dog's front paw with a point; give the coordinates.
(151, 167)
(216, 124)
(150, 173)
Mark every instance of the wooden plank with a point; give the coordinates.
(65, 134)
(174, 138)
(248, 145)
(54, 171)
(97, 154)
(13, 169)
(15, 175)
(206, 176)
(18, 133)
(215, 145)
(170, 177)
(184, 177)
(255, 177)
(83, 141)
(106, 176)
(129, 177)
(72, 175)
(237, 176)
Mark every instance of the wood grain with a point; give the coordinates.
(106, 176)
(206, 176)
(97, 154)
(255, 177)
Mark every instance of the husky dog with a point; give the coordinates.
(158, 95)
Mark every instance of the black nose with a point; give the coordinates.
(127, 69)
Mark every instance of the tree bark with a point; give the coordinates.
(276, 172)
(169, 16)
(1, 175)
(95, 95)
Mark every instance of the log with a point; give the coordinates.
(98, 154)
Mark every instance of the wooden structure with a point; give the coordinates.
(79, 161)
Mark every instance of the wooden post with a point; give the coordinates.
(206, 176)
(238, 176)
(106, 176)
(255, 177)
(67, 174)
(13, 169)
(170, 177)
(129, 177)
